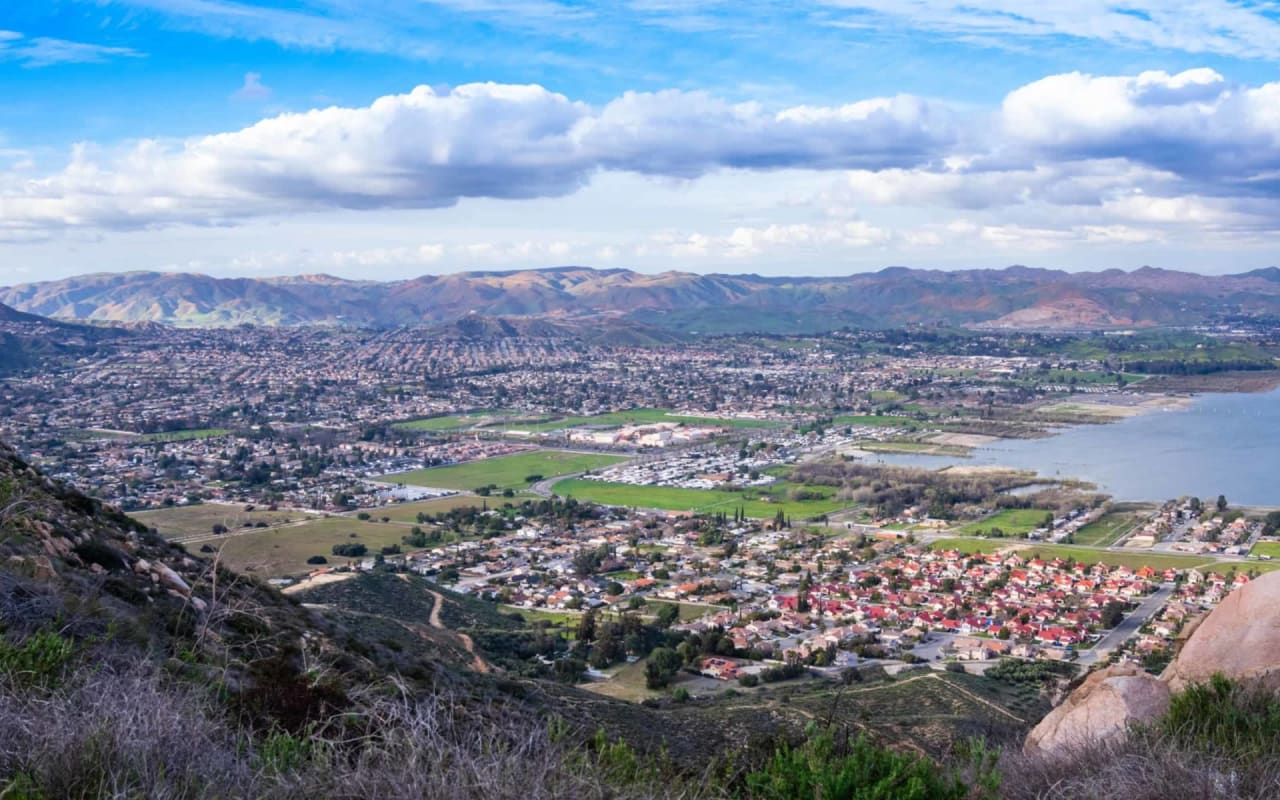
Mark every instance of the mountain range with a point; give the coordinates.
(1014, 297)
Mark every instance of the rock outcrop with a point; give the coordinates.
(1240, 639)
(1101, 708)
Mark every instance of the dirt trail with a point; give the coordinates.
(477, 663)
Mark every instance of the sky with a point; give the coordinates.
(385, 139)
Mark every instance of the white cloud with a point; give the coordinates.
(44, 51)
(1194, 124)
(431, 148)
(1231, 27)
(253, 89)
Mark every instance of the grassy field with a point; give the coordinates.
(878, 420)
(1082, 554)
(181, 521)
(1266, 549)
(1108, 529)
(506, 472)
(1013, 521)
(408, 512)
(184, 436)
(641, 416)
(284, 551)
(700, 500)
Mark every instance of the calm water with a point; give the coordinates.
(1222, 444)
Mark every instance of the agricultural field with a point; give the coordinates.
(505, 472)
(1013, 522)
(1108, 529)
(183, 521)
(753, 501)
(184, 436)
(284, 551)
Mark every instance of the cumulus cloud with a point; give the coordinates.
(431, 148)
(1194, 124)
(1153, 149)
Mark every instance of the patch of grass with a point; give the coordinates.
(185, 436)
(408, 512)
(506, 472)
(760, 503)
(284, 551)
(877, 420)
(181, 521)
(1271, 549)
(1107, 529)
(1013, 521)
(1084, 555)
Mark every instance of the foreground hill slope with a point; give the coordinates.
(1016, 297)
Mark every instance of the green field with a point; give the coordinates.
(505, 472)
(182, 521)
(1082, 554)
(1013, 521)
(640, 416)
(284, 551)
(701, 500)
(1108, 529)
(184, 436)
(1266, 549)
(877, 420)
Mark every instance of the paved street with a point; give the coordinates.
(1128, 627)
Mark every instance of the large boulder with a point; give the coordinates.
(1240, 639)
(1100, 709)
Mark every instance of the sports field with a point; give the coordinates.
(505, 472)
(758, 503)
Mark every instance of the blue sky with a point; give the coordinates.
(389, 139)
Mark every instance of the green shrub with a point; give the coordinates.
(40, 660)
(859, 770)
(1224, 717)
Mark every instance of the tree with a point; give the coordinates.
(1112, 614)
(667, 614)
(661, 667)
(614, 588)
(1222, 502)
(587, 627)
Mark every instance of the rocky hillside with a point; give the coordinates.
(1206, 727)
(1016, 297)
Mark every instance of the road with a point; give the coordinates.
(1128, 626)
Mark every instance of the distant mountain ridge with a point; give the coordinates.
(1013, 297)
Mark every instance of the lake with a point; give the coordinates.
(1219, 444)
